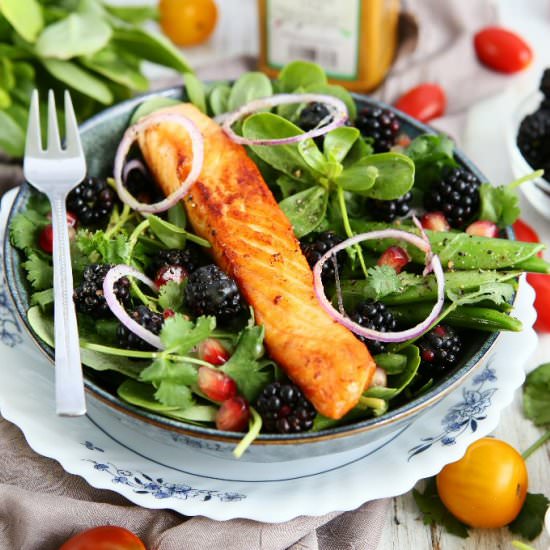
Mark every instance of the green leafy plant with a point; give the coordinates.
(93, 49)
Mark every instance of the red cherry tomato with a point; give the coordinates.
(502, 50)
(539, 281)
(423, 102)
(104, 538)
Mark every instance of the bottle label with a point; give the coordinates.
(322, 31)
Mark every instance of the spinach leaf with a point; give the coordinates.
(118, 66)
(25, 16)
(285, 158)
(338, 143)
(219, 99)
(306, 209)
(253, 85)
(152, 105)
(77, 34)
(79, 79)
(195, 91)
(152, 47)
(301, 74)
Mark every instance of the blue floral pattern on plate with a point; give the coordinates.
(464, 415)
(144, 484)
(10, 331)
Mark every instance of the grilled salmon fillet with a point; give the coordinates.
(231, 206)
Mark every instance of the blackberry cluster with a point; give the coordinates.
(284, 409)
(146, 318)
(189, 258)
(534, 138)
(89, 298)
(456, 195)
(388, 211)
(312, 115)
(210, 291)
(376, 316)
(92, 201)
(315, 246)
(379, 124)
(439, 350)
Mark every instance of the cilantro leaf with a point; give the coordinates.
(530, 520)
(434, 511)
(180, 335)
(39, 271)
(383, 280)
(171, 295)
(162, 369)
(536, 395)
(243, 366)
(173, 394)
(496, 292)
(111, 250)
(24, 229)
(499, 204)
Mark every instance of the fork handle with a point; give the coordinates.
(69, 387)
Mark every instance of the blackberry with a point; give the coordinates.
(534, 138)
(439, 350)
(189, 258)
(284, 409)
(316, 245)
(92, 201)
(312, 115)
(89, 298)
(456, 195)
(374, 315)
(146, 318)
(388, 211)
(210, 291)
(545, 89)
(379, 124)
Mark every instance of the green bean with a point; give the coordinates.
(473, 317)
(462, 251)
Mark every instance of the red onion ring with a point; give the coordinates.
(113, 275)
(128, 139)
(337, 109)
(134, 164)
(432, 263)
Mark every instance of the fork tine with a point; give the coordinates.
(72, 137)
(33, 144)
(54, 142)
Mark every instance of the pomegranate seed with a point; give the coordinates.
(216, 385)
(395, 257)
(45, 239)
(436, 221)
(428, 355)
(233, 415)
(168, 273)
(167, 313)
(71, 218)
(403, 140)
(439, 330)
(211, 351)
(482, 228)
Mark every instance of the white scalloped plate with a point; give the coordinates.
(192, 483)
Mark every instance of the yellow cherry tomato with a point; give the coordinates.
(487, 486)
(188, 22)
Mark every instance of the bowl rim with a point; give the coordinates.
(395, 416)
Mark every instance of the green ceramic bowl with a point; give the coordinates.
(100, 137)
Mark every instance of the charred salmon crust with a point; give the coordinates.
(231, 206)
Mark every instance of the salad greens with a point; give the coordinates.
(321, 185)
(91, 47)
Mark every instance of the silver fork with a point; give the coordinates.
(55, 171)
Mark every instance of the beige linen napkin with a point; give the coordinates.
(41, 505)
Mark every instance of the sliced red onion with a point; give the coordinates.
(113, 275)
(432, 262)
(134, 164)
(336, 107)
(131, 134)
